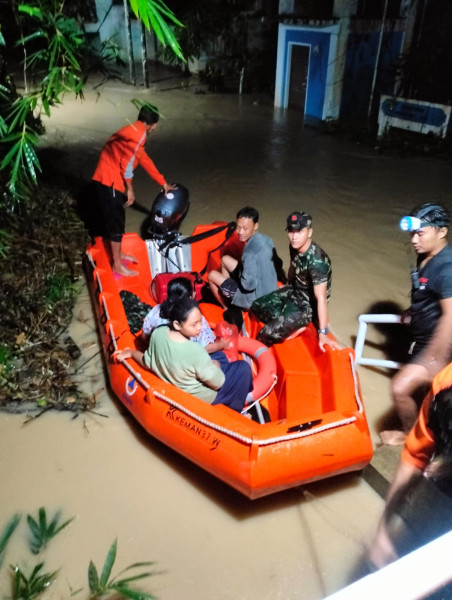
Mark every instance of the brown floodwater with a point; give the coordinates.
(209, 542)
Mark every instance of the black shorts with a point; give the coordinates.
(229, 288)
(111, 205)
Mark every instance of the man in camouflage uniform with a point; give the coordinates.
(305, 298)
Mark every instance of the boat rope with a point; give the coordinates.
(132, 371)
(264, 395)
(355, 381)
(224, 430)
(250, 440)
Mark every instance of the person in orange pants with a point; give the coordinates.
(113, 179)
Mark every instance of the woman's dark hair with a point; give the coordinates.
(440, 422)
(177, 310)
(179, 288)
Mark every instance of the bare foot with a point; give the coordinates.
(125, 271)
(129, 257)
(393, 437)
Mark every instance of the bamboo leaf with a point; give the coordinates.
(66, 523)
(42, 519)
(93, 577)
(35, 530)
(7, 533)
(133, 578)
(50, 529)
(32, 11)
(28, 38)
(147, 563)
(108, 565)
(133, 594)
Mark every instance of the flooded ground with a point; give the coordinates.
(209, 542)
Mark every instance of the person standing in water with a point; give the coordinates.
(429, 316)
(113, 180)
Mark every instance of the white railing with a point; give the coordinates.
(361, 338)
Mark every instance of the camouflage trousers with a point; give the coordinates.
(282, 315)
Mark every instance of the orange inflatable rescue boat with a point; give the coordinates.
(316, 426)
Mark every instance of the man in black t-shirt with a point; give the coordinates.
(429, 316)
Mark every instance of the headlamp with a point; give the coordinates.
(411, 224)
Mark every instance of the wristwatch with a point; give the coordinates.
(325, 331)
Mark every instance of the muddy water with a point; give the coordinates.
(208, 541)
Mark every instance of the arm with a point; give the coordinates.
(322, 312)
(436, 355)
(248, 278)
(129, 353)
(219, 344)
(416, 455)
(129, 192)
(207, 370)
(150, 168)
(382, 549)
(213, 376)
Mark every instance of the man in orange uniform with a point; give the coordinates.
(427, 452)
(113, 179)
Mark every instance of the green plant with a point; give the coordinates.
(6, 364)
(41, 532)
(53, 47)
(154, 14)
(28, 588)
(56, 41)
(4, 243)
(103, 585)
(59, 287)
(6, 535)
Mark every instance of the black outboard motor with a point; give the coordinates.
(167, 213)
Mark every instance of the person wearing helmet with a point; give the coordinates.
(305, 298)
(114, 175)
(429, 316)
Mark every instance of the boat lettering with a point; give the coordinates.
(193, 427)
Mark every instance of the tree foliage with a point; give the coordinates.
(53, 46)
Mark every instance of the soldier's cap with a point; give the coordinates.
(298, 221)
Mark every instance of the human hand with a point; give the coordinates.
(169, 186)
(130, 197)
(405, 317)
(122, 354)
(324, 340)
(223, 343)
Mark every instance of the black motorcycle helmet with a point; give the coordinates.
(168, 210)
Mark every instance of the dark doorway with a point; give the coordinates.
(299, 65)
